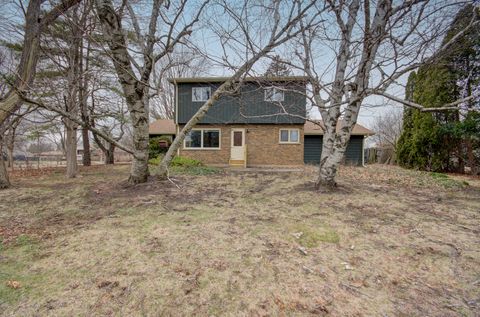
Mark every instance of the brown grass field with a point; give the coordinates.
(388, 242)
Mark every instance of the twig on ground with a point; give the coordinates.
(170, 180)
(354, 289)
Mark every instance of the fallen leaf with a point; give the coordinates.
(13, 284)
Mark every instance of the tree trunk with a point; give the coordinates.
(28, 62)
(4, 181)
(10, 155)
(71, 148)
(110, 154)
(471, 158)
(134, 88)
(333, 151)
(139, 170)
(87, 156)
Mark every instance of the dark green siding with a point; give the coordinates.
(313, 149)
(246, 106)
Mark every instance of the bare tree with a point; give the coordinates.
(360, 49)
(183, 62)
(10, 132)
(133, 73)
(111, 118)
(35, 22)
(388, 128)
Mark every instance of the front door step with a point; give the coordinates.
(237, 163)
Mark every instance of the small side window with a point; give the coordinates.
(289, 136)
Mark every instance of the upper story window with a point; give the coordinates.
(201, 93)
(274, 94)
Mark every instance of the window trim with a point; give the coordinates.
(289, 131)
(201, 87)
(201, 140)
(274, 89)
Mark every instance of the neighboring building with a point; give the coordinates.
(262, 124)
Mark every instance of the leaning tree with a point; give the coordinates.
(255, 31)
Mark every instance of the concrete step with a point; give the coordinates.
(237, 163)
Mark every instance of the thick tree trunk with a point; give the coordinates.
(28, 62)
(87, 156)
(4, 181)
(134, 88)
(333, 152)
(139, 170)
(71, 149)
(335, 143)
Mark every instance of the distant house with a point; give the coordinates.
(263, 124)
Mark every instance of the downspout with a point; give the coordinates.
(363, 151)
(176, 112)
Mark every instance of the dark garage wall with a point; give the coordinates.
(313, 149)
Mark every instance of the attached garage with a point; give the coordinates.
(313, 141)
(313, 149)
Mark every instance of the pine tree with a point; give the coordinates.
(436, 141)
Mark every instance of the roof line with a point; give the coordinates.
(250, 79)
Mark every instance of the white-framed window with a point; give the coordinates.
(201, 93)
(274, 94)
(289, 136)
(202, 139)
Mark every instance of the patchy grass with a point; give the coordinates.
(312, 237)
(184, 166)
(388, 242)
(448, 182)
(195, 170)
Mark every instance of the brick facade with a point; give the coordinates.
(263, 146)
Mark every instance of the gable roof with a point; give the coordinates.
(162, 126)
(167, 126)
(316, 128)
(249, 79)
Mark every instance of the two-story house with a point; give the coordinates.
(261, 124)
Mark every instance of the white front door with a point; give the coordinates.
(238, 145)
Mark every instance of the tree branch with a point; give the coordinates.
(77, 121)
(449, 106)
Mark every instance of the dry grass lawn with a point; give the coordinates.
(389, 242)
